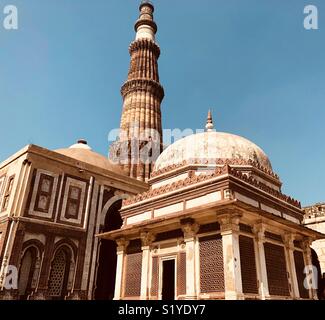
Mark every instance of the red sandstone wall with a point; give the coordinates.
(3, 236)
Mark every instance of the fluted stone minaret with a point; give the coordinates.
(140, 139)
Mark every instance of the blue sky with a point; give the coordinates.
(251, 61)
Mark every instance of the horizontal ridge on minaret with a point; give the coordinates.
(142, 96)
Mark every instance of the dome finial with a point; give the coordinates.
(209, 126)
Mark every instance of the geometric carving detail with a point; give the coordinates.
(58, 269)
(211, 265)
(155, 278)
(181, 274)
(248, 265)
(276, 270)
(133, 275)
(189, 181)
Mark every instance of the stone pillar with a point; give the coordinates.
(311, 272)
(121, 248)
(291, 267)
(231, 256)
(147, 240)
(259, 231)
(190, 229)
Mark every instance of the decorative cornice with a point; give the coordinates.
(145, 85)
(206, 177)
(266, 188)
(238, 162)
(145, 44)
(147, 22)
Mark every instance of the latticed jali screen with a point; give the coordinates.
(276, 270)
(211, 265)
(133, 275)
(155, 278)
(181, 274)
(300, 268)
(57, 274)
(248, 265)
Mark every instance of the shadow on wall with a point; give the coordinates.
(106, 270)
(321, 277)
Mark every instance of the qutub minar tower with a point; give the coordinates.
(141, 129)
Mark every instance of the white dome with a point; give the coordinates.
(81, 151)
(209, 147)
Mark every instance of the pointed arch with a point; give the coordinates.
(110, 219)
(29, 267)
(109, 203)
(62, 269)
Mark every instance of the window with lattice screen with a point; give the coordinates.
(58, 273)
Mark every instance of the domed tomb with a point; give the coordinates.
(81, 151)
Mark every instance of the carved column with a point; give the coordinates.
(121, 248)
(231, 256)
(190, 229)
(259, 231)
(311, 273)
(291, 267)
(147, 239)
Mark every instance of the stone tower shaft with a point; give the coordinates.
(140, 139)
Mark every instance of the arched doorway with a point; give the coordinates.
(26, 272)
(60, 269)
(107, 258)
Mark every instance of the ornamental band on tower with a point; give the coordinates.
(140, 139)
